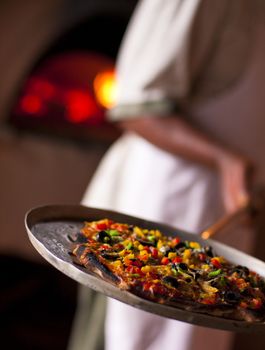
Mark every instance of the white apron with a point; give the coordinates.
(139, 179)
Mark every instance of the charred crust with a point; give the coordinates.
(98, 267)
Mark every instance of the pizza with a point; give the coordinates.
(169, 270)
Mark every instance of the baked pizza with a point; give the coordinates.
(169, 270)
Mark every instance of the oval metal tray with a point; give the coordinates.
(48, 228)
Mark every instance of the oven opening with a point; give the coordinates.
(70, 88)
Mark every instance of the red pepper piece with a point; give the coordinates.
(119, 227)
(134, 270)
(165, 260)
(202, 256)
(146, 248)
(216, 263)
(243, 304)
(255, 303)
(159, 289)
(137, 263)
(102, 226)
(147, 286)
(154, 252)
(144, 257)
(175, 241)
(104, 246)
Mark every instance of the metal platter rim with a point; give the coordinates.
(42, 214)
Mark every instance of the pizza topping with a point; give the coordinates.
(172, 281)
(209, 251)
(103, 236)
(216, 262)
(110, 255)
(231, 297)
(214, 273)
(207, 288)
(149, 242)
(168, 269)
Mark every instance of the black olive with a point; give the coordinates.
(144, 242)
(171, 281)
(168, 250)
(246, 292)
(110, 256)
(231, 297)
(197, 276)
(209, 251)
(183, 266)
(194, 273)
(246, 270)
(215, 283)
(242, 271)
(103, 236)
(180, 245)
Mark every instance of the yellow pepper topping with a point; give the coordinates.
(143, 252)
(156, 281)
(221, 259)
(117, 263)
(208, 289)
(186, 254)
(195, 245)
(146, 269)
(136, 244)
(157, 233)
(122, 252)
(159, 244)
(130, 256)
(138, 231)
(172, 255)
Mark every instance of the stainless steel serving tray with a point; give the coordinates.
(48, 228)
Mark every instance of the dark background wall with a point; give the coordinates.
(37, 303)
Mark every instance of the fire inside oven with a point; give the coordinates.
(72, 86)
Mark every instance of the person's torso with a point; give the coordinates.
(236, 116)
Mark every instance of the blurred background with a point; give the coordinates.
(57, 73)
(57, 80)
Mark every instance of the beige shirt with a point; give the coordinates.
(176, 50)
